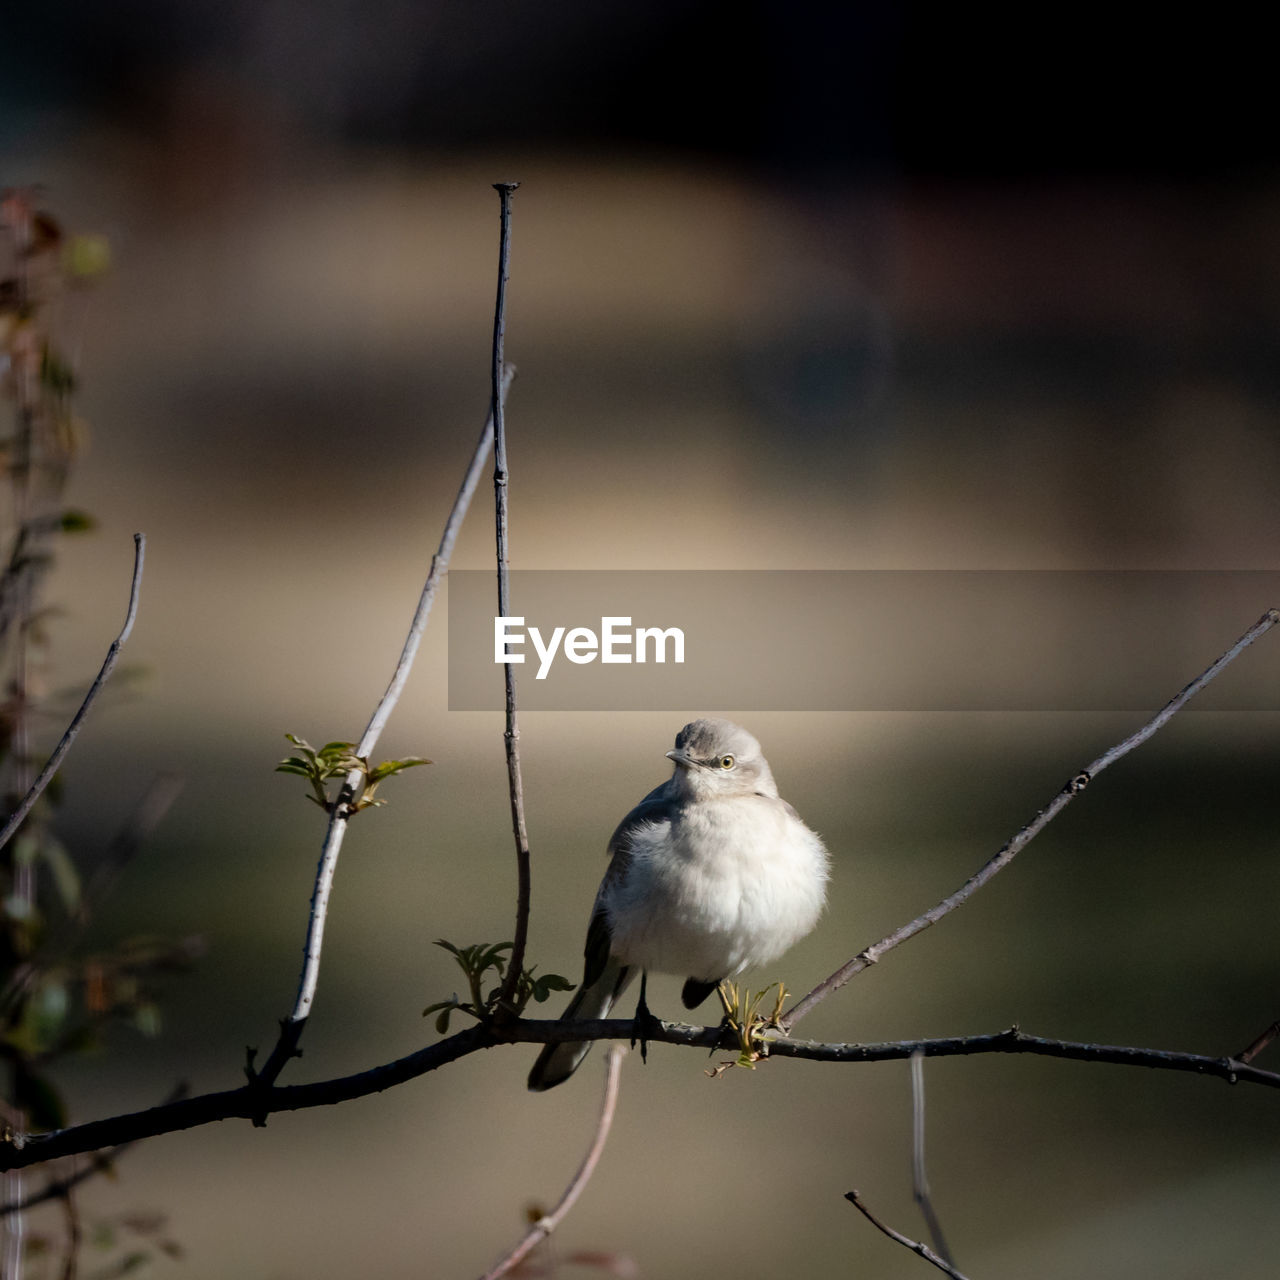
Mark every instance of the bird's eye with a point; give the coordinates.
(726, 762)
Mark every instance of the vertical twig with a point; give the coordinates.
(919, 1179)
(75, 1235)
(291, 1028)
(512, 735)
(547, 1224)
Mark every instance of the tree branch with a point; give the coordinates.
(915, 1246)
(255, 1100)
(867, 957)
(512, 735)
(1260, 1042)
(291, 1028)
(103, 1161)
(54, 762)
(549, 1222)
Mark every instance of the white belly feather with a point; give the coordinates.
(731, 885)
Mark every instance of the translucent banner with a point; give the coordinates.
(861, 640)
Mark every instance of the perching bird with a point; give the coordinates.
(710, 874)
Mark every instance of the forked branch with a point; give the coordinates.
(291, 1028)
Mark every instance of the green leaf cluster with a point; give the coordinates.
(475, 961)
(339, 760)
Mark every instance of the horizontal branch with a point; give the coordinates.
(256, 1100)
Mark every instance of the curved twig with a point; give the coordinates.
(867, 957)
(54, 762)
(549, 1222)
(291, 1028)
(254, 1100)
(915, 1246)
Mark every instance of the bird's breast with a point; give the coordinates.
(721, 886)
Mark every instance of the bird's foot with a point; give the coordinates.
(644, 1024)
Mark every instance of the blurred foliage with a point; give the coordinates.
(120, 1245)
(55, 1001)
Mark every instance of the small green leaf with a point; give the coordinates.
(389, 767)
(549, 982)
(74, 521)
(55, 373)
(26, 848)
(146, 1018)
(86, 256)
(66, 877)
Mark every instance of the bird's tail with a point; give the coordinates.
(557, 1062)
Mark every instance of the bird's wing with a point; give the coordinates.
(653, 808)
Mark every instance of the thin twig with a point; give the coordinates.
(549, 1222)
(73, 729)
(915, 1246)
(867, 957)
(512, 735)
(252, 1101)
(291, 1028)
(1260, 1043)
(71, 1258)
(919, 1178)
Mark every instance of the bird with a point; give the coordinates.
(710, 874)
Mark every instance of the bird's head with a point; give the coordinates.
(716, 759)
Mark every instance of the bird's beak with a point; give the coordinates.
(682, 758)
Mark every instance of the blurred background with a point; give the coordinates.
(815, 286)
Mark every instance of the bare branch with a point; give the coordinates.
(919, 1179)
(915, 1246)
(291, 1028)
(1260, 1043)
(547, 1224)
(867, 957)
(257, 1099)
(512, 734)
(73, 729)
(98, 1162)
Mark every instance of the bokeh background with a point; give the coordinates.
(815, 286)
